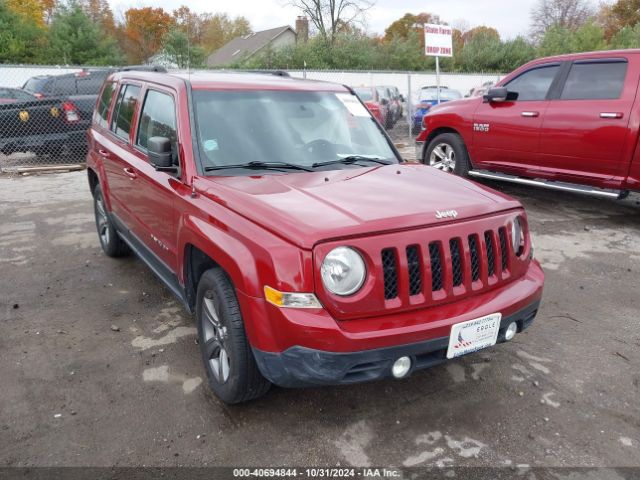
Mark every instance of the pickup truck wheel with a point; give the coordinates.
(110, 241)
(231, 368)
(448, 153)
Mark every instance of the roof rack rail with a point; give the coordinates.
(277, 73)
(144, 68)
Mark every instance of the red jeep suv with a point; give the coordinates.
(279, 212)
(569, 122)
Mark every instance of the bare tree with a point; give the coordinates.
(562, 13)
(330, 17)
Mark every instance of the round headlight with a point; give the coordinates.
(343, 271)
(517, 236)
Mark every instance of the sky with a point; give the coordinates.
(510, 18)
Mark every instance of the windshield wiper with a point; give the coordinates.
(255, 165)
(350, 159)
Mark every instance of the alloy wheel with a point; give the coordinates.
(443, 157)
(102, 221)
(215, 338)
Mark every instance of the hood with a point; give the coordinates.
(454, 103)
(308, 208)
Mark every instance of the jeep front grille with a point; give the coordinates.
(462, 264)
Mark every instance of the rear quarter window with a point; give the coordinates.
(102, 108)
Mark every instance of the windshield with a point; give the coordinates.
(299, 128)
(365, 94)
(35, 84)
(445, 94)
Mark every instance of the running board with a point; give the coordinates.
(553, 185)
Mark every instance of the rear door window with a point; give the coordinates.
(602, 80)
(158, 119)
(64, 85)
(102, 109)
(124, 110)
(534, 84)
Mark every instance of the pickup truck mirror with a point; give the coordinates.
(499, 94)
(159, 150)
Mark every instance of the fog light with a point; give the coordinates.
(401, 367)
(511, 331)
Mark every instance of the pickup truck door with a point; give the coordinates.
(585, 129)
(507, 134)
(152, 200)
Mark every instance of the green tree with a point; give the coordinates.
(75, 39)
(558, 40)
(627, 37)
(21, 41)
(179, 50)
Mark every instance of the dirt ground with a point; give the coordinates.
(100, 366)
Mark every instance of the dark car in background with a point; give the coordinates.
(428, 98)
(386, 96)
(397, 101)
(15, 95)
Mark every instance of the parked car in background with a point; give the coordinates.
(568, 122)
(50, 126)
(13, 95)
(427, 98)
(375, 103)
(397, 101)
(481, 90)
(281, 215)
(386, 96)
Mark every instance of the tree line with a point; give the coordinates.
(85, 32)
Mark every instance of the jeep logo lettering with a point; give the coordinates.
(446, 214)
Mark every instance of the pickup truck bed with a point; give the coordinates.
(47, 126)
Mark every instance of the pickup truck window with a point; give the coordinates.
(595, 80)
(301, 128)
(64, 85)
(123, 110)
(158, 118)
(102, 110)
(533, 84)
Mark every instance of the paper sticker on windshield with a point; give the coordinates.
(210, 145)
(353, 104)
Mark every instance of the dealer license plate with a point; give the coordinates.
(473, 335)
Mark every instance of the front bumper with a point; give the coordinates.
(304, 367)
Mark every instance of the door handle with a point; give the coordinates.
(130, 172)
(103, 153)
(530, 114)
(610, 115)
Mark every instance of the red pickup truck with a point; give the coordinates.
(569, 122)
(279, 212)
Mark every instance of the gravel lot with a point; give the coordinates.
(100, 366)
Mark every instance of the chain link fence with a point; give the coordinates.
(45, 111)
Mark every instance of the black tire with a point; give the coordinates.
(456, 144)
(241, 380)
(110, 241)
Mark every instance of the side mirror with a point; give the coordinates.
(401, 98)
(159, 151)
(499, 94)
(384, 101)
